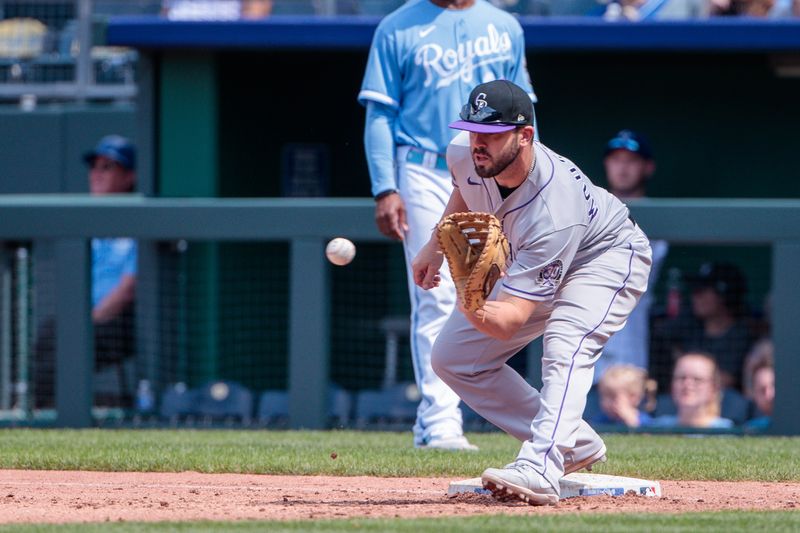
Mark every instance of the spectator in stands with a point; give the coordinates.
(697, 394)
(629, 164)
(718, 324)
(622, 389)
(748, 8)
(112, 170)
(786, 9)
(759, 382)
(718, 302)
(635, 10)
(216, 9)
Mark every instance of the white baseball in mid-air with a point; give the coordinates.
(340, 251)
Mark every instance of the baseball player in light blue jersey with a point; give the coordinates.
(425, 58)
(579, 264)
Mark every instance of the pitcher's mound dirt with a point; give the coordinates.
(56, 497)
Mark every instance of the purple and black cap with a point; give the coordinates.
(495, 107)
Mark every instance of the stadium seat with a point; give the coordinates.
(273, 407)
(736, 407)
(177, 402)
(215, 401)
(67, 43)
(22, 38)
(341, 406)
(396, 405)
(224, 400)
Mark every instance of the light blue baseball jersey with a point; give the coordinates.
(425, 60)
(111, 259)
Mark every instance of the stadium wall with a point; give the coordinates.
(41, 149)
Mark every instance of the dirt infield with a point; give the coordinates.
(57, 497)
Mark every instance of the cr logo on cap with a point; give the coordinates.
(480, 101)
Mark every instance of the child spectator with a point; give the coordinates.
(622, 389)
(697, 394)
(759, 378)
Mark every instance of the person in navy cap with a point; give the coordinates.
(112, 165)
(112, 170)
(629, 164)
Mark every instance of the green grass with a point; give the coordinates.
(391, 454)
(729, 522)
(380, 454)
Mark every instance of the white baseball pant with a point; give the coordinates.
(425, 190)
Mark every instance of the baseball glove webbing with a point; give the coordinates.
(476, 250)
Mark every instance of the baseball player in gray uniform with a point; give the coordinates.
(425, 58)
(578, 267)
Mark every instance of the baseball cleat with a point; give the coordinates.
(573, 464)
(519, 481)
(447, 443)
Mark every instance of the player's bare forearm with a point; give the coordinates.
(116, 301)
(456, 204)
(426, 265)
(501, 318)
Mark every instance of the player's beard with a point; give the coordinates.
(501, 161)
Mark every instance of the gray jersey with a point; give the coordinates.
(556, 219)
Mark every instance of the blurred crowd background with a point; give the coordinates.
(706, 338)
(40, 39)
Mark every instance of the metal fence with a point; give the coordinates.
(55, 50)
(304, 288)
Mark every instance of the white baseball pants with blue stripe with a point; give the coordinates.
(425, 190)
(592, 303)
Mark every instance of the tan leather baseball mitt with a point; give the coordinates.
(476, 250)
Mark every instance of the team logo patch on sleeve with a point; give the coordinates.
(550, 275)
